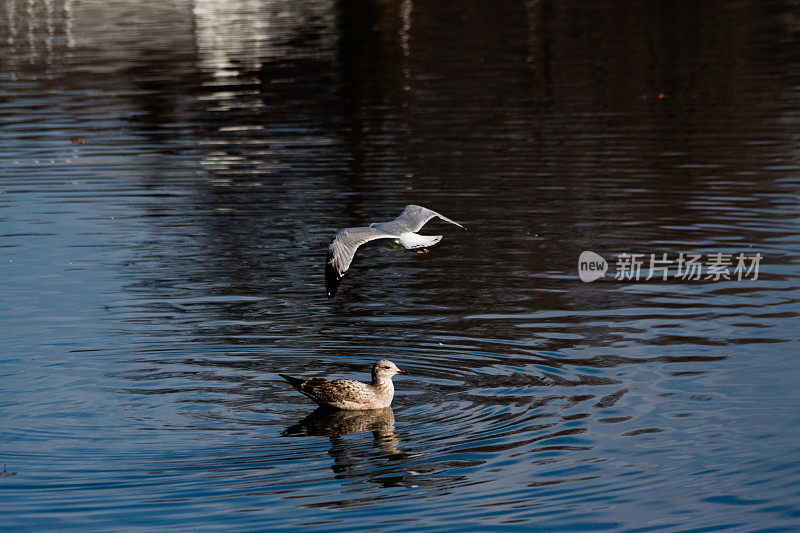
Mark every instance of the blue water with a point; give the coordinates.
(170, 177)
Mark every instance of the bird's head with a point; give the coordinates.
(385, 369)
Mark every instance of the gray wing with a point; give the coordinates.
(414, 217)
(342, 250)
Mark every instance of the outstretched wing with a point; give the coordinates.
(342, 250)
(414, 217)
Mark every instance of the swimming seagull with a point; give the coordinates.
(349, 394)
(402, 230)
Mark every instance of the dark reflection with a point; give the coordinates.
(351, 457)
(594, 130)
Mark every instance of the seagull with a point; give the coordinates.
(349, 394)
(402, 230)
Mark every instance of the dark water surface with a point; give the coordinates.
(171, 173)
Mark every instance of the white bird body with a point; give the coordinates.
(402, 230)
(411, 240)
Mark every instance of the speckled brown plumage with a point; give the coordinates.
(349, 394)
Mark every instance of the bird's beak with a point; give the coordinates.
(402, 372)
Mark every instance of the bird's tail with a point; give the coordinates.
(415, 240)
(294, 382)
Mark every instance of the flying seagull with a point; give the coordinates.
(349, 394)
(401, 230)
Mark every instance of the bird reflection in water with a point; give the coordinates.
(353, 456)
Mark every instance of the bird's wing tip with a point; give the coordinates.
(332, 279)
